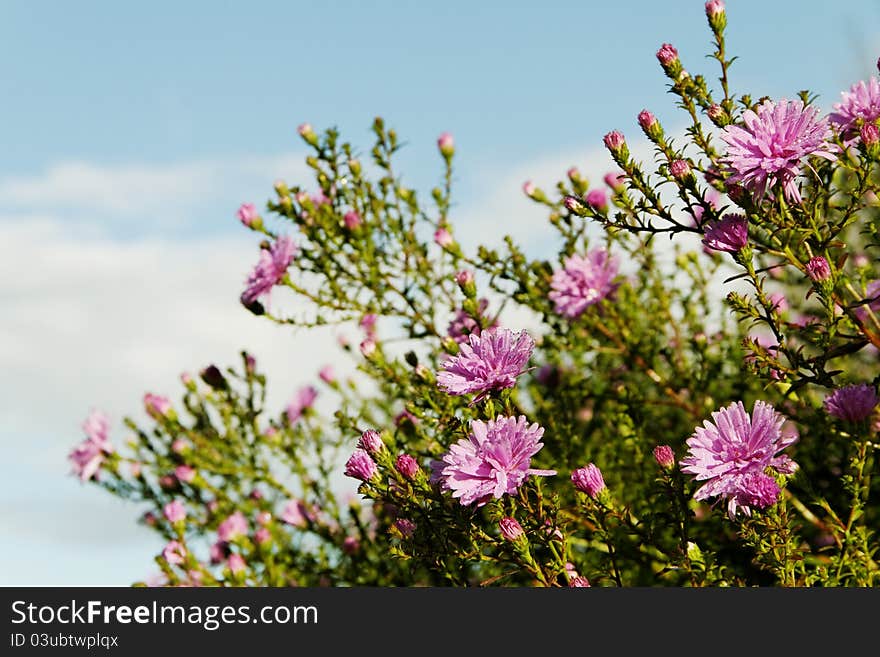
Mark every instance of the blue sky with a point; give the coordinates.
(132, 131)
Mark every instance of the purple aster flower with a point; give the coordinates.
(582, 282)
(852, 403)
(730, 233)
(731, 452)
(462, 324)
(664, 456)
(861, 104)
(589, 480)
(269, 270)
(769, 149)
(492, 461)
(872, 297)
(489, 361)
(303, 399)
(407, 466)
(360, 465)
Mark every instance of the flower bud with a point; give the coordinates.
(870, 135)
(185, 473)
(680, 169)
(579, 582)
(614, 141)
(716, 15)
(157, 407)
(179, 446)
(466, 282)
(361, 466)
(589, 480)
(407, 466)
(510, 529)
(236, 563)
(371, 442)
(818, 269)
(446, 144)
(308, 134)
(717, 115)
(262, 536)
(350, 545)
(667, 55)
(264, 518)
(597, 199)
(573, 205)
(616, 181)
(368, 347)
(405, 527)
(174, 511)
(352, 220)
(214, 377)
(650, 125)
(327, 375)
(443, 238)
(528, 188)
(248, 215)
(664, 456)
(574, 175)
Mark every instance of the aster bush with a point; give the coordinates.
(696, 410)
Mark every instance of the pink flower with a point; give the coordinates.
(371, 442)
(236, 563)
(405, 526)
(583, 282)
(446, 144)
(769, 149)
(407, 466)
(296, 514)
(664, 456)
(528, 188)
(510, 529)
(185, 473)
(464, 277)
(597, 199)
(303, 399)
(818, 269)
(233, 527)
(614, 141)
(714, 8)
(156, 406)
(667, 54)
(443, 238)
(647, 120)
(368, 347)
(615, 181)
(860, 105)
(87, 457)
(352, 220)
(578, 582)
(247, 214)
(174, 511)
(350, 545)
(731, 452)
(174, 553)
(489, 361)
(368, 323)
(270, 269)
(262, 536)
(493, 460)
(680, 169)
(327, 374)
(589, 480)
(361, 466)
(730, 233)
(852, 403)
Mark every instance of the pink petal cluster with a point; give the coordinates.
(233, 527)
(296, 513)
(731, 452)
(859, 105)
(174, 511)
(769, 148)
(174, 553)
(87, 457)
(156, 406)
(303, 399)
(730, 233)
(582, 282)
(361, 465)
(489, 361)
(852, 403)
(493, 460)
(269, 270)
(589, 480)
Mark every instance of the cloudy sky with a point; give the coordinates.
(132, 131)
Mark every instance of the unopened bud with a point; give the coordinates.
(308, 134)
(446, 144)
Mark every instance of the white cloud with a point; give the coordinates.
(163, 195)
